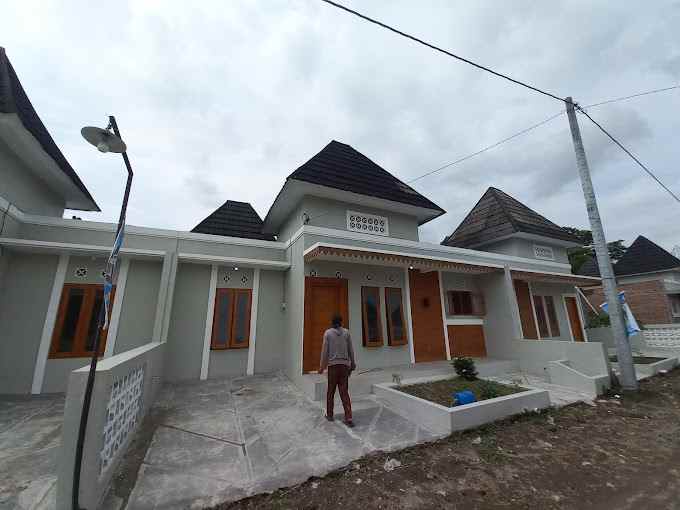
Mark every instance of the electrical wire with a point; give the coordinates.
(624, 98)
(633, 157)
(441, 50)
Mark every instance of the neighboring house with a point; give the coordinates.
(240, 295)
(649, 275)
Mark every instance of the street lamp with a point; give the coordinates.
(105, 140)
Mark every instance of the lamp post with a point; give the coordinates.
(106, 140)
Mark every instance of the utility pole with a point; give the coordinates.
(624, 354)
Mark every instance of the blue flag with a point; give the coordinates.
(632, 327)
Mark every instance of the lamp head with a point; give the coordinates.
(103, 139)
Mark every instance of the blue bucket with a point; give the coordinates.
(460, 398)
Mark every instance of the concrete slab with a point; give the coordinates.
(30, 435)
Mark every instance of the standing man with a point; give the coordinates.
(338, 355)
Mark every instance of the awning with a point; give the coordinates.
(386, 258)
(538, 276)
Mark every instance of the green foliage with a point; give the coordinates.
(578, 256)
(465, 368)
(600, 320)
(487, 390)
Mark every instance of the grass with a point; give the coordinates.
(441, 392)
(639, 360)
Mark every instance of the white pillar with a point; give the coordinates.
(48, 326)
(205, 359)
(533, 310)
(253, 322)
(161, 301)
(409, 322)
(117, 308)
(512, 301)
(169, 297)
(443, 303)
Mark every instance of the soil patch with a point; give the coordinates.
(441, 392)
(638, 360)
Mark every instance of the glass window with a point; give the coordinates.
(675, 304)
(372, 326)
(231, 320)
(552, 316)
(242, 319)
(67, 339)
(395, 316)
(222, 320)
(460, 302)
(541, 317)
(546, 316)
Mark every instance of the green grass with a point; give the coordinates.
(441, 392)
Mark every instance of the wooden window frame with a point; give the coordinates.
(391, 341)
(231, 344)
(674, 302)
(543, 302)
(450, 299)
(380, 341)
(84, 317)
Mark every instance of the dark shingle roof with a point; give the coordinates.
(643, 256)
(342, 167)
(497, 214)
(234, 219)
(13, 99)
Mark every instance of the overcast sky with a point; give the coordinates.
(222, 100)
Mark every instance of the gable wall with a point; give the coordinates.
(524, 248)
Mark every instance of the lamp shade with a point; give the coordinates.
(104, 140)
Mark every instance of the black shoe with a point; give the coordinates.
(349, 423)
(330, 418)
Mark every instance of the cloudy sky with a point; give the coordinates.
(221, 100)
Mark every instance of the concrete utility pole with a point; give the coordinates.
(624, 354)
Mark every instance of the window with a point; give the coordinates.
(231, 319)
(396, 329)
(546, 316)
(675, 304)
(465, 303)
(75, 329)
(543, 252)
(372, 323)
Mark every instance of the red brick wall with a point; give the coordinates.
(647, 300)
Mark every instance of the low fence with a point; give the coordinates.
(534, 356)
(124, 390)
(661, 336)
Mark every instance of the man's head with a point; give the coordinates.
(336, 321)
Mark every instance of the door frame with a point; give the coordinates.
(306, 316)
(580, 316)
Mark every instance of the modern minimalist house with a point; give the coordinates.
(243, 295)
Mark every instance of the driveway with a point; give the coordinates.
(223, 440)
(30, 435)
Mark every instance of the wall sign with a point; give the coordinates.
(543, 252)
(368, 223)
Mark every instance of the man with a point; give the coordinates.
(338, 355)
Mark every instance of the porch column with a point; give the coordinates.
(253, 321)
(409, 322)
(512, 301)
(169, 296)
(205, 359)
(48, 326)
(117, 308)
(443, 303)
(161, 303)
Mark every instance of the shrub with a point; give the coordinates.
(488, 390)
(597, 321)
(465, 368)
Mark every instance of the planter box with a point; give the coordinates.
(445, 420)
(650, 369)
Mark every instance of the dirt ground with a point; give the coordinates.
(620, 453)
(441, 392)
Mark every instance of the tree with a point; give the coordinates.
(578, 256)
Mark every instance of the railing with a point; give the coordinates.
(125, 388)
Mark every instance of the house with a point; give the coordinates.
(650, 277)
(241, 294)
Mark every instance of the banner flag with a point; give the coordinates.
(632, 327)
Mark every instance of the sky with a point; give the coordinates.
(222, 100)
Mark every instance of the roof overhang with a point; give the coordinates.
(200, 258)
(529, 237)
(294, 190)
(52, 247)
(30, 152)
(549, 277)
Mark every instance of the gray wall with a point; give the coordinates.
(24, 189)
(187, 322)
(138, 312)
(24, 298)
(294, 285)
(57, 373)
(458, 281)
(525, 248)
(272, 341)
(498, 323)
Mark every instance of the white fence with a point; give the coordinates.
(125, 387)
(664, 336)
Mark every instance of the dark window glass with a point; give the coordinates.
(552, 316)
(70, 325)
(394, 315)
(460, 302)
(372, 329)
(94, 320)
(241, 317)
(223, 322)
(541, 317)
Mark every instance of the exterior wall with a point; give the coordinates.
(25, 190)
(24, 297)
(498, 323)
(294, 285)
(358, 275)
(647, 300)
(525, 248)
(271, 342)
(333, 214)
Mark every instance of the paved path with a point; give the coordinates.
(30, 435)
(223, 440)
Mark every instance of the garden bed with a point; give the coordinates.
(441, 392)
(639, 360)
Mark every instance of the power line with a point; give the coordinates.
(649, 172)
(624, 98)
(441, 50)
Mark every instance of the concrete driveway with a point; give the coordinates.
(223, 440)
(30, 435)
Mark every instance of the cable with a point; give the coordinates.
(441, 50)
(488, 147)
(651, 174)
(624, 98)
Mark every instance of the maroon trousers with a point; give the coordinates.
(338, 377)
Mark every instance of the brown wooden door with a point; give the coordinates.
(324, 297)
(574, 318)
(467, 340)
(526, 313)
(426, 312)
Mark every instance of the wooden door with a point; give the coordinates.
(574, 318)
(426, 314)
(526, 312)
(467, 340)
(324, 297)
